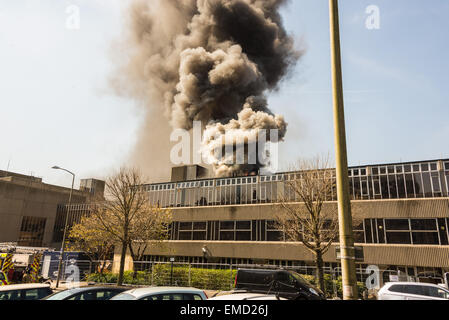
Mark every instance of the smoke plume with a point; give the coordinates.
(211, 61)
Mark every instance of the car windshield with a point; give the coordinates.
(303, 282)
(124, 296)
(60, 295)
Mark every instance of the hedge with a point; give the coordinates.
(206, 279)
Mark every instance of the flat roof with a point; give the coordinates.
(288, 172)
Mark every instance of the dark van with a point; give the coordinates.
(284, 283)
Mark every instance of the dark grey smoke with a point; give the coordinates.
(208, 60)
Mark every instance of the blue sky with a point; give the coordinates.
(56, 107)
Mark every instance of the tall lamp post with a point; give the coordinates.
(344, 203)
(65, 225)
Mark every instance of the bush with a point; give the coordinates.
(206, 279)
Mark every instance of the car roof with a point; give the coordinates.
(413, 283)
(89, 288)
(24, 286)
(247, 296)
(140, 292)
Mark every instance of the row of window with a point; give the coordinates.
(407, 231)
(386, 231)
(397, 182)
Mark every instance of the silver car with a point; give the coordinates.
(162, 294)
(412, 291)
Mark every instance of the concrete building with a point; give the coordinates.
(403, 210)
(31, 211)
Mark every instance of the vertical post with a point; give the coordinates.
(172, 260)
(61, 257)
(344, 203)
(152, 273)
(232, 278)
(190, 279)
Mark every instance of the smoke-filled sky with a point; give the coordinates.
(57, 107)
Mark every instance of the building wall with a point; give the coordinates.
(20, 197)
(436, 256)
(407, 208)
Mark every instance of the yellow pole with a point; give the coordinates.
(344, 203)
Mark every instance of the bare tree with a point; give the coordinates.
(313, 219)
(127, 216)
(149, 229)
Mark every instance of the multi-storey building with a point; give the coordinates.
(401, 219)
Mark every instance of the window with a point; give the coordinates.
(397, 231)
(396, 224)
(32, 231)
(273, 232)
(195, 231)
(35, 294)
(434, 292)
(235, 231)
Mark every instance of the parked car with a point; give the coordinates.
(247, 296)
(284, 283)
(412, 291)
(96, 293)
(162, 293)
(24, 292)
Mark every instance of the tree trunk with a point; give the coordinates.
(320, 270)
(122, 263)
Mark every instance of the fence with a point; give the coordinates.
(206, 276)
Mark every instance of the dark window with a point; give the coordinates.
(227, 235)
(227, 225)
(199, 235)
(35, 294)
(408, 168)
(410, 186)
(398, 237)
(397, 224)
(185, 236)
(275, 236)
(427, 184)
(32, 231)
(185, 226)
(243, 225)
(397, 288)
(424, 224)
(243, 236)
(199, 226)
(368, 231)
(425, 238)
(413, 289)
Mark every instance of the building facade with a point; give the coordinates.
(31, 211)
(401, 219)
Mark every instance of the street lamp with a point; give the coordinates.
(344, 203)
(65, 225)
